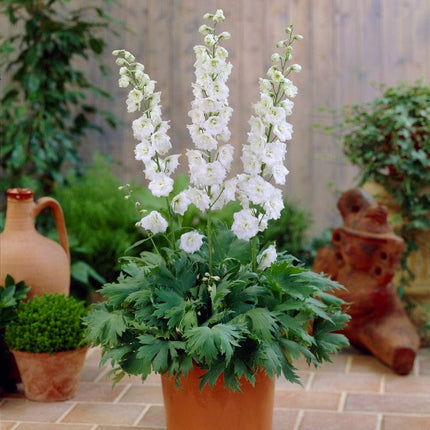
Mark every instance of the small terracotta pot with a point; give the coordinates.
(218, 408)
(50, 377)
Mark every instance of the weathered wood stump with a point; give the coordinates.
(364, 258)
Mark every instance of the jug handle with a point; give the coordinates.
(45, 202)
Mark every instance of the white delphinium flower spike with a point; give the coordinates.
(149, 129)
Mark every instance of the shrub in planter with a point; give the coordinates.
(47, 341)
(213, 304)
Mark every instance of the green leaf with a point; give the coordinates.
(104, 327)
(82, 271)
(262, 323)
(169, 305)
(200, 342)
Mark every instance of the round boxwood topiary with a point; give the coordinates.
(50, 323)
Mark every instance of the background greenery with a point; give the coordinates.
(44, 108)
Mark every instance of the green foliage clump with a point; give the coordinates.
(10, 296)
(50, 323)
(100, 225)
(388, 139)
(166, 313)
(44, 108)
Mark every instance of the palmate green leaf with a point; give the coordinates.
(262, 323)
(104, 326)
(200, 343)
(317, 307)
(119, 292)
(206, 343)
(158, 353)
(115, 355)
(226, 337)
(169, 305)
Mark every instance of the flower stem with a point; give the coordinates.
(209, 233)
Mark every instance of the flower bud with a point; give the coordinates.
(207, 16)
(295, 67)
(116, 52)
(275, 57)
(219, 16)
(129, 57)
(205, 29)
(123, 82)
(120, 61)
(298, 37)
(224, 35)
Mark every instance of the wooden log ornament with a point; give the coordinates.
(363, 259)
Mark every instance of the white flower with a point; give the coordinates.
(195, 159)
(211, 174)
(134, 98)
(274, 204)
(202, 140)
(245, 224)
(181, 202)
(287, 105)
(219, 16)
(257, 126)
(290, 90)
(225, 155)
(160, 185)
(154, 222)
(283, 131)
(123, 81)
(214, 125)
(199, 198)
(257, 189)
(276, 115)
(251, 161)
(148, 89)
(267, 257)
(143, 151)
(197, 116)
(161, 142)
(170, 163)
(191, 241)
(274, 152)
(142, 127)
(279, 172)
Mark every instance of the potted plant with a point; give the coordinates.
(216, 312)
(47, 340)
(388, 139)
(11, 295)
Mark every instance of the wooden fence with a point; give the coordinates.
(347, 45)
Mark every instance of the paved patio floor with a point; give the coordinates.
(355, 392)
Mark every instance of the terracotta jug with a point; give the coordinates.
(28, 256)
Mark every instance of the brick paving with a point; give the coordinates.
(355, 392)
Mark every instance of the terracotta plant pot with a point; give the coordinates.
(218, 408)
(50, 377)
